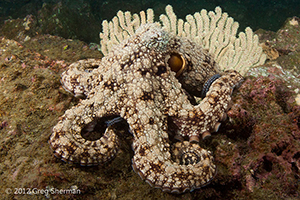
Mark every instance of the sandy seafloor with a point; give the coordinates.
(257, 150)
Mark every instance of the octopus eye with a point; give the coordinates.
(177, 63)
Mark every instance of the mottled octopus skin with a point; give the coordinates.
(135, 82)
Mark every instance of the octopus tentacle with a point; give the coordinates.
(78, 78)
(69, 143)
(204, 118)
(186, 153)
(208, 83)
(153, 162)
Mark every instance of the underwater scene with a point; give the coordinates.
(150, 99)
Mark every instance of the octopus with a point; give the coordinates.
(149, 81)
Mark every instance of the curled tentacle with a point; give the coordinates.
(186, 153)
(74, 140)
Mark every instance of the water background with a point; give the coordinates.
(264, 14)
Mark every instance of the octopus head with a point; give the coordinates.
(193, 65)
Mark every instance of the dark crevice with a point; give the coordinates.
(296, 170)
(281, 95)
(297, 155)
(280, 147)
(267, 164)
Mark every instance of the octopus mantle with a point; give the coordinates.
(148, 81)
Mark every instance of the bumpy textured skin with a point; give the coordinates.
(135, 82)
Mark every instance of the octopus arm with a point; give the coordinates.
(68, 141)
(185, 168)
